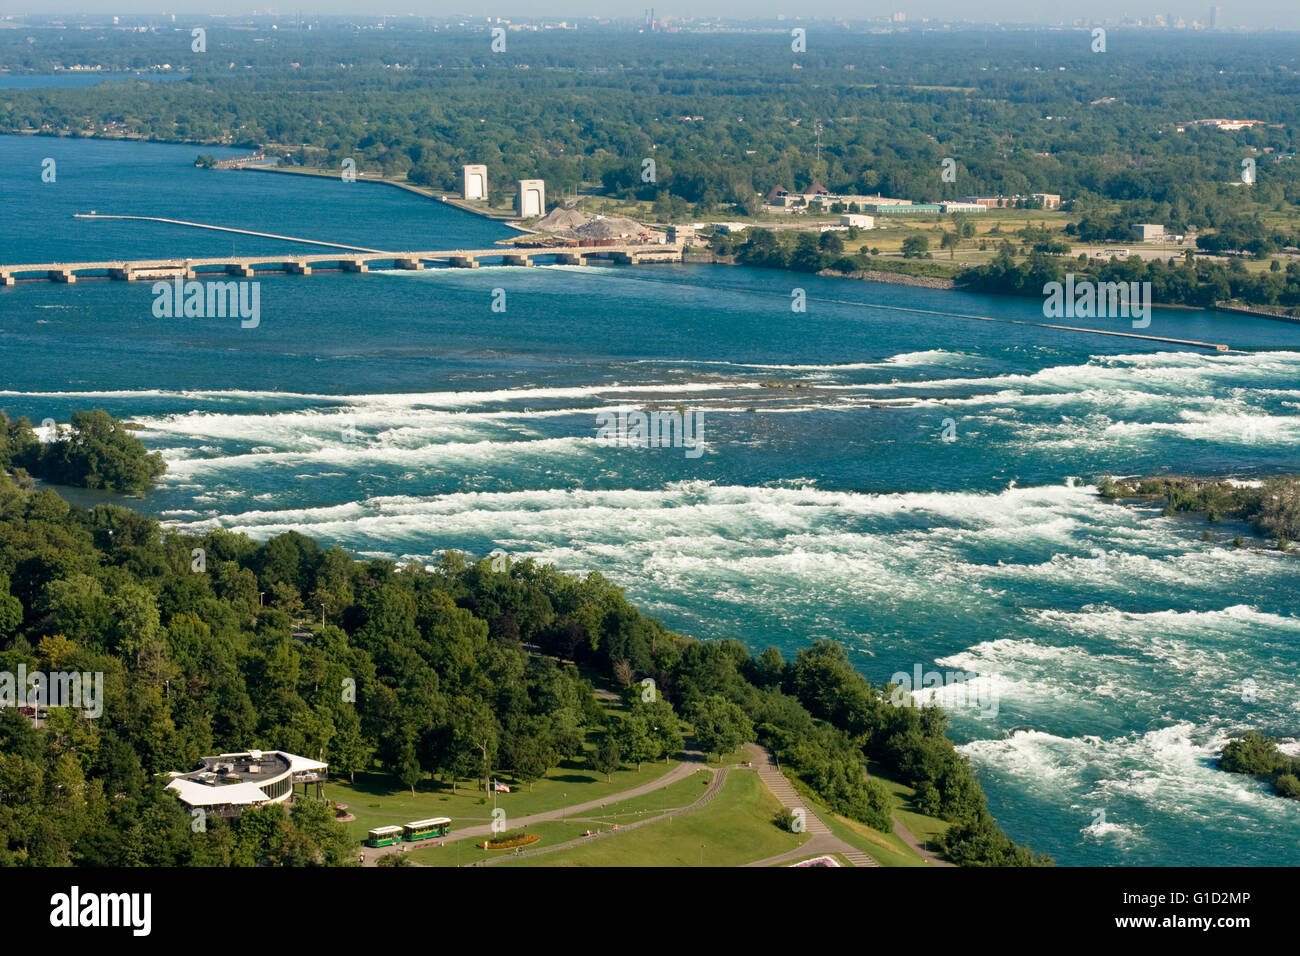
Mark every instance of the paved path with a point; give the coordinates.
(692, 760)
(822, 840)
(715, 785)
(904, 834)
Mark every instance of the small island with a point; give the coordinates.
(1255, 754)
(1271, 506)
(95, 450)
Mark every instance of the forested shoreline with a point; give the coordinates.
(1197, 283)
(723, 114)
(213, 643)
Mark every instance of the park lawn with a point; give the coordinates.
(727, 760)
(680, 794)
(464, 852)
(887, 849)
(379, 800)
(925, 828)
(735, 827)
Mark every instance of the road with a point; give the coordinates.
(692, 761)
(822, 841)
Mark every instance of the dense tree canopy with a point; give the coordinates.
(95, 450)
(413, 673)
(723, 116)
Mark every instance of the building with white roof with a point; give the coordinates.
(228, 784)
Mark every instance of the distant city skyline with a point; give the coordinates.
(1263, 14)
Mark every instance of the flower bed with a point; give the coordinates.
(508, 841)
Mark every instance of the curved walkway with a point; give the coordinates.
(715, 785)
(823, 840)
(691, 761)
(904, 834)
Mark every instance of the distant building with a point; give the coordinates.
(971, 207)
(859, 220)
(228, 784)
(899, 209)
(729, 227)
(684, 234)
(1148, 232)
(1047, 200)
(817, 193)
(531, 200)
(473, 182)
(1223, 124)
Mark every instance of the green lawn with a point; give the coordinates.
(464, 852)
(887, 849)
(727, 760)
(378, 800)
(735, 827)
(680, 794)
(924, 828)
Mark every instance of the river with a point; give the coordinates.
(923, 496)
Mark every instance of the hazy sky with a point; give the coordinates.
(1257, 13)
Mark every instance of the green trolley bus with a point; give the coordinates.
(384, 836)
(426, 829)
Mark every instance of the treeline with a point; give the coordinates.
(723, 115)
(1255, 754)
(94, 450)
(458, 672)
(800, 251)
(814, 252)
(1197, 283)
(1272, 508)
(1188, 281)
(1232, 232)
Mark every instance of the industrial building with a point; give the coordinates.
(531, 200)
(473, 182)
(1148, 232)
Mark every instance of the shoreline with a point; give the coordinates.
(703, 256)
(508, 220)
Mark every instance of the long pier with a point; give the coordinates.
(242, 232)
(247, 266)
